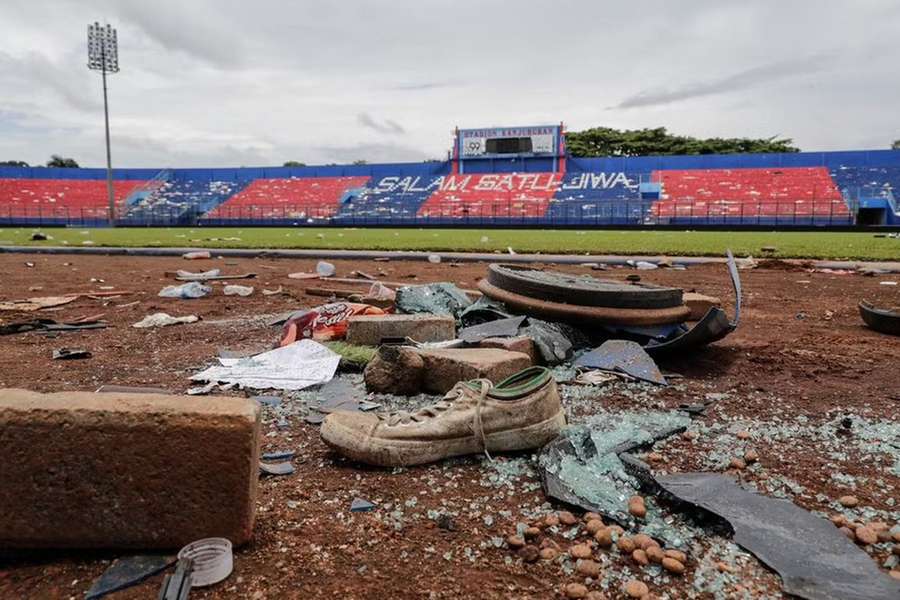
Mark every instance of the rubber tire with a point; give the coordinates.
(580, 315)
(610, 294)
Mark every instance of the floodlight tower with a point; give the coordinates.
(103, 56)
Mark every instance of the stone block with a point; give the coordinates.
(699, 304)
(120, 470)
(445, 367)
(369, 330)
(522, 344)
(395, 370)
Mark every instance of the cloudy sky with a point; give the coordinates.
(241, 83)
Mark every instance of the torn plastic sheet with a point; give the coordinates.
(129, 571)
(499, 328)
(292, 367)
(434, 298)
(583, 466)
(714, 325)
(185, 291)
(622, 356)
(483, 310)
(181, 275)
(814, 559)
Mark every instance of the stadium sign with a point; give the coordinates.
(504, 182)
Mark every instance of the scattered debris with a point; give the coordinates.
(360, 505)
(303, 276)
(500, 328)
(292, 367)
(622, 356)
(162, 319)
(277, 469)
(196, 255)
(237, 290)
(815, 560)
(126, 572)
(33, 304)
(880, 319)
(267, 400)
(281, 455)
(275, 292)
(434, 259)
(177, 586)
(213, 275)
(325, 269)
(212, 560)
(324, 323)
(589, 465)
(71, 354)
(434, 298)
(38, 237)
(186, 291)
(49, 325)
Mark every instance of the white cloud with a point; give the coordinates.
(228, 83)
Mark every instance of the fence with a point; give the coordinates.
(630, 213)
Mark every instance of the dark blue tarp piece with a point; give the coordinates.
(622, 356)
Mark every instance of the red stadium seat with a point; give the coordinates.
(495, 195)
(295, 198)
(60, 198)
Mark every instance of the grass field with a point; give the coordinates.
(832, 245)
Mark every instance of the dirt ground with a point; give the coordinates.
(801, 355)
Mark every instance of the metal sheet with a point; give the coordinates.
(623, 356)
(814, 559)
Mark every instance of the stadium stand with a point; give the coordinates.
(497, 196)
(799, 189)
(728, 194)
(180, 201)
(59, 199)
(391, 198)
(290, 199)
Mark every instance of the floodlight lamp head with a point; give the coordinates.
(103, 48)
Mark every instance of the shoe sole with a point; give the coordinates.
(404, 453)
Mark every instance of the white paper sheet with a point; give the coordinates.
(292, 367)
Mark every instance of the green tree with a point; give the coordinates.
(895, 145)
(606, 141)
(13, 163)
(294, 163)
(61, 163)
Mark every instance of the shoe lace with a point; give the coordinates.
(445, 403)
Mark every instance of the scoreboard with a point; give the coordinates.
(508, 142)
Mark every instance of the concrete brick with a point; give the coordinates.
(119, 470)
(445, 367)
(369, 330)
(699, 304)
(522, 344)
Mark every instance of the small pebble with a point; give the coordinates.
(751, 456)
(515, 541)
(655, 457)
(839, 520)
(897, 536)
(743, 435)
(594, 526)
(643, 541)
(588, 568)
(532, 533)
(672, 566)
(848, 532)
(548, 553)
(896, 549)
(567, 518)
(640, 557)
(551, 521)
(591, 516)
(724, 567)
(736, 463)
(895, 574)
(689, 435)
(655, 554)
(580, 551)
(604, 537)
(849, 501)
(866, 536)
(677, 555)
(617, 530)
(575, 590)
(626, 545)
(595, 595)
(530, 553)
(636, 589)
(636, 507)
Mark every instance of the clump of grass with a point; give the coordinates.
(353, 357)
